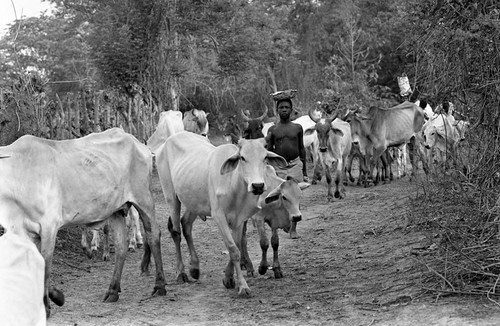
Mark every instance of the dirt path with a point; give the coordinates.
(352, 266)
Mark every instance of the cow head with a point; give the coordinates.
(440, 133)
(254, 126)
(287, 195)
(196, 121)
(251, 160)
(323, 127)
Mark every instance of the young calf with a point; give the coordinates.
(280, 207)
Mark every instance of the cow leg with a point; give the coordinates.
(85, 244)
(138, 235)
(232, 239)
(368, 168)
(132, 243)
(47, 245)
(348, 167)
(105, 252)
(153, 241)
(118, 225)
(377, 153)
(293, 231)
(275, 243)
(94, 244)
(134, 230)
(246, 262)
(264, 243)
(187, 229)
(413, 160)
(337, 167)
(316, 166)
(328, 180)
(175, 231)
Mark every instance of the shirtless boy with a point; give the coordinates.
(286, 139)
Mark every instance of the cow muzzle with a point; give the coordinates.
(322, 149)
(297, 218)
(257, 188)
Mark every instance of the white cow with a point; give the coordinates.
(48, 184)
(170, 122)
(441, 136)
(335, 144)
(196, 121)
(224, 182)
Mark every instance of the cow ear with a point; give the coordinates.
(276, 160)
(338, 132)
(304, 185)
(230, 164)
(309, 131)
(274, 195)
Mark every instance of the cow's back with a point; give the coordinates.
(170, 122)
(183, 167)
(77, 175)
(397, 124)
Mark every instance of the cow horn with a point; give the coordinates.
(263, 115)
(314, 115)
(332, 117)
(244, 116)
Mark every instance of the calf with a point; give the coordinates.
(280, 207)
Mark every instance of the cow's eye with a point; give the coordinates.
(242, 158)
(284, 198)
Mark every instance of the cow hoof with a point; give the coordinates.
(263, 269)
(131, 249)
(244, 293)
(250, 273)
(229, 283)
(195, 273)
(182, 278)
(277, 272)
(105, 257)
(294, 235)
(139, 245)
(111, 297)
(56, 296)
(337, 194)
(314, 181)
(159, 292)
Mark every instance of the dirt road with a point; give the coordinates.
(352, 265)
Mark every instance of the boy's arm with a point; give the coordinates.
(270, 139)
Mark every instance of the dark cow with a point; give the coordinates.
(253, 129)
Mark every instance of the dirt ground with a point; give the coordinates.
(352, 265)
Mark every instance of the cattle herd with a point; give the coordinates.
(105, 179)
